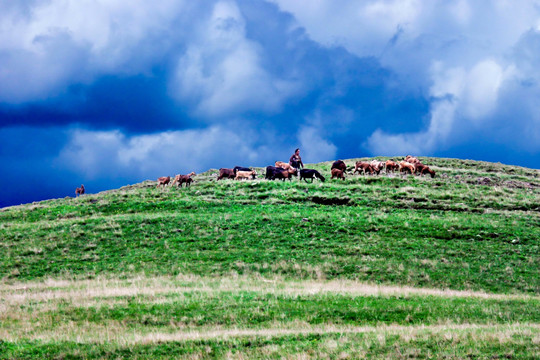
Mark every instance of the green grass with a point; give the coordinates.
(494, 251)
(254, 310)
(461, 344)
(474, 227)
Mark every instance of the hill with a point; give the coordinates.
(373, 266)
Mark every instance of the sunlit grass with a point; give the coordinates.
(373, 266)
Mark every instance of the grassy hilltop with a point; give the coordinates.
(370, 267)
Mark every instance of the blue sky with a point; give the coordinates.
(109, 93)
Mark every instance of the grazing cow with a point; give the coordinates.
(286, 173)
(405, 166)
(339, 164)
(273, 173)
(164, 180)
(418, 168)
(423, 169)
(79, 190)
(364, 166)
(283, 165)
(245, 175)
(391, 166)
(412, 160)
(377, 166)
(310, 174)
(428, 170)
(181, 179)
(338, 174)
(241, 168)
(226, 173)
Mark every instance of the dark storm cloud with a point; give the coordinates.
(135, 104)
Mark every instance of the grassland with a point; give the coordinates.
(370, 267)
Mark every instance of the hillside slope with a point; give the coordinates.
(290, 266)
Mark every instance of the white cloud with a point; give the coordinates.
(47, 45)
(112, 154)
(222, 70)
(314, 146)
(419, 143)
(363, 27)
(482, 88)
(475, 90)
(109, 27)
(472, 94)
(409, 36)
(382, 144)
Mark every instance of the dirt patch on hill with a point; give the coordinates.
(331, 201)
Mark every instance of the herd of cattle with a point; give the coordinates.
(283, 171)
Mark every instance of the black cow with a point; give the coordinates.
(273, 173)
(310, 174)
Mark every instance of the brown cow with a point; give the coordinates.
(338, 174)
(226, 173)
(364, 166)
(419, 167)
(423, 169)
(339, 164)
(79, 191)
(377, 166)
(405, 166)
(285, 173)
(164, 180)
(283, 165)
(391, 166)
(412, 160)
(180, 179)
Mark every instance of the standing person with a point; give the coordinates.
(296, 161)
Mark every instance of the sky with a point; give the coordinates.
(107, 93)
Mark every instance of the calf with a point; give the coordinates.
(338, 174)
(163, 181)
(181, 179)
(79, 191)
(226, 173)
(310, 174)
(245, 174)
(364, 166)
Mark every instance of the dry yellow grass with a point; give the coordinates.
(83, 290)
(115, 332)
(22, 303)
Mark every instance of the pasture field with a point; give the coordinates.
(382, 266)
